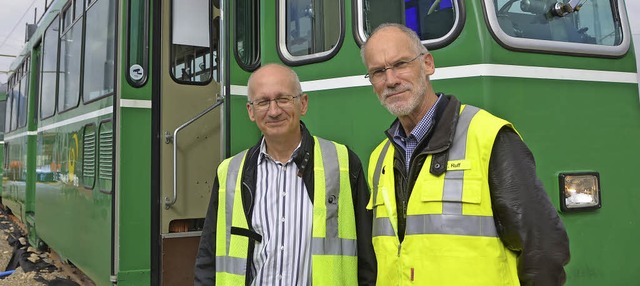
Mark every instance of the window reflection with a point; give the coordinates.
(15, 96)
(431, 19)
(312, 26)
(589, 22)
(99, 57)
(22, 95)
(191, 55)
(69, 75)
(247, 33)
(48, 73)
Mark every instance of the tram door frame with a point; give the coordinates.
(191, 131)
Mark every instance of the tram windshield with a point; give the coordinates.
(435, 21)
(593, 28)
(576, 21)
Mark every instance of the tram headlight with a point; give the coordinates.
(579, 191)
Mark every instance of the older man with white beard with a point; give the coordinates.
(454, 191)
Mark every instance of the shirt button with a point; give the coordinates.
(282, 219)
(279, 277)
(282, 248)
(283, 194)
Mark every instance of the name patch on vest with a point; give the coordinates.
(458, 165)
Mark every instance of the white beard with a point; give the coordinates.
(405, 108)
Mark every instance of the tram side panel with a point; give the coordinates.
(73, 172)
(567, 95)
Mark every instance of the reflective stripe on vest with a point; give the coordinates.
(231, 265)
(451, 221)
(333, 248)
(378, 170)
(331, 161)
(229, 196)
(439, 224)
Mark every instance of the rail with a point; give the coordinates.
(169, 202)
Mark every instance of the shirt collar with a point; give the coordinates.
(263, 152)
(420, 131)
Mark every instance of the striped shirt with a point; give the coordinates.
(283, 216)
(409, 143)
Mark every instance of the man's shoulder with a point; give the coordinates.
(488, 116)
(248, 153)
(352, 155)
(329, 140)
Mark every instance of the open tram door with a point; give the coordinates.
(189, 141)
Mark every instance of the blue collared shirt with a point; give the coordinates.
(409, 143)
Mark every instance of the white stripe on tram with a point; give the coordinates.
(534, 72)
(83, 117)
(478, 70)
(15, 136)
(135, 103)
(107, 110)
(90, 115)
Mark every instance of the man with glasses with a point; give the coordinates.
(291, 210)
(454, 191)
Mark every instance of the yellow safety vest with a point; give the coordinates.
(333, 250)
(450, 236)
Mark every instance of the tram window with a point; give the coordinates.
(69, 67)
(48, 73)
(99, 55)
(78, 8)
(435, 21)
(247, 47)
(191, 54)
(7, 120)
(67, 18)
(309, 29)
(22, 102)
(15, 99)
(594, 22)
(23, 98)
(3, 118)
(138, 40)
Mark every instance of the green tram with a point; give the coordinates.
(3, 108)
(118, 113)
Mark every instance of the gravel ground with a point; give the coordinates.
(31, 266)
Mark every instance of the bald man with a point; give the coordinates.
(291, 210)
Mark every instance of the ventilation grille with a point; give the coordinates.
(89, 155)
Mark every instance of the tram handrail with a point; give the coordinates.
(168, 203)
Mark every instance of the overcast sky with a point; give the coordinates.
(13, 17)
(16, 13)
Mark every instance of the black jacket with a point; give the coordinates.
(303, 158)
(525, 218)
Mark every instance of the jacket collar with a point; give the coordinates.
(441, 135)
(301, 156)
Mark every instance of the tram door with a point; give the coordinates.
(191, 126)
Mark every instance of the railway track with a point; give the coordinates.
(22, 264)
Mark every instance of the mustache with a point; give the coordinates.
(396, 89)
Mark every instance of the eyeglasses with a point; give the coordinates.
(399, 67)
(281, 101)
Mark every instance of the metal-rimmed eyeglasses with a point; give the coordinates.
(399, 67)
(281, 101)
